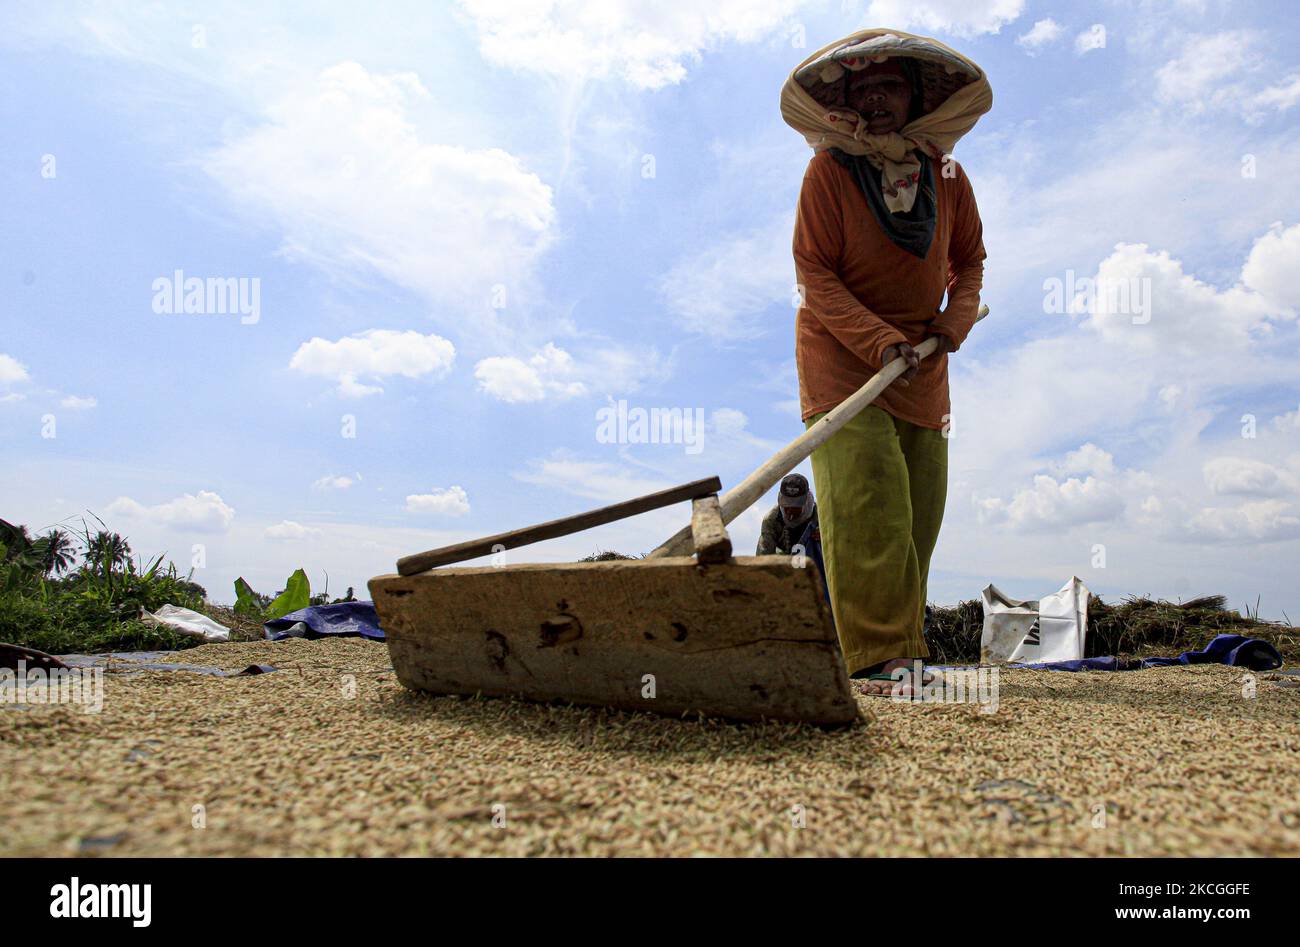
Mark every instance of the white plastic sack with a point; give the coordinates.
(1049, 629)
(187, 622)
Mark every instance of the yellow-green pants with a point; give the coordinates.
(881, 485)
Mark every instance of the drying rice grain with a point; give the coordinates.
(1168, 761)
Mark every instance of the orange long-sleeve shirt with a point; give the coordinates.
(862, 293)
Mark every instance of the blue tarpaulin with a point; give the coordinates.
(1234, 650)
(342, 619)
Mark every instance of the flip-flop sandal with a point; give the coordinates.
(926, 679)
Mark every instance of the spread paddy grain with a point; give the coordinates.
(331, 756)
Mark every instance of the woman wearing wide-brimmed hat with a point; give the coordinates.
(886, 225)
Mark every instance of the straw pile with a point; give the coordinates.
(1178, 762)
(1136, 626)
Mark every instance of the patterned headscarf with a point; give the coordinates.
(954, 93)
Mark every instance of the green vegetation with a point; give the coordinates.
(49, 602)
(82, 591)
(296, 595)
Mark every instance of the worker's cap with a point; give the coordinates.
(794, 491)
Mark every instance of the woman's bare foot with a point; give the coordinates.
(909, 681)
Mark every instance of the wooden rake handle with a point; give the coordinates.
(743, 495)
(421, 561)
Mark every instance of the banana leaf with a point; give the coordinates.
(246, 602)
(296, 595)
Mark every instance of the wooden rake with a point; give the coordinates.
(690, 629)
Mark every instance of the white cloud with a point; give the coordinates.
(548, 372)
(1158, 384)
(1240, 475)
(723, 289)
(592, 39)
(75, 403)
(1201, 75)
(1152, 390)
(1288, 422)
(350, 388)
(727, 434)
(450, 502)
(959, 17)
(1171, 170)
(1272, 265)
(1281, 96)
(354, 186)
(729, 422)
(205, 512)
(1041, 34)
(510, 379)
(1053, 504)
(552, 372)
(12, 371)
(1094, 37)
(1104, 373)
(1088, 459)
(597, 480)
(332, 482)
(1225, 70)
(1259, 522)
(376, 353)
(638, 43)
(12, 398)
(1187, 318)
(289, 531)
(622, 369)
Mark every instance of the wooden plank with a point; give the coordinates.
(472, 549)
(744, 494)
(712, 544)
(749, 639)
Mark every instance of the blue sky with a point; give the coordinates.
(474, 224)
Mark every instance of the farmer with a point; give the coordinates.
(793, 517)
(886, 224)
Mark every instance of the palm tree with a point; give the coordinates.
(106, 551)
(57, 551)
